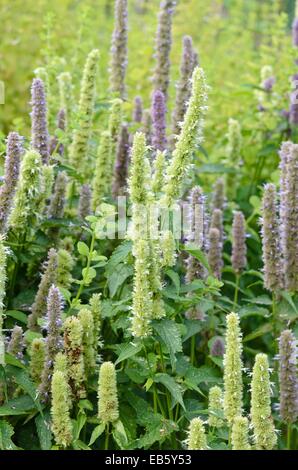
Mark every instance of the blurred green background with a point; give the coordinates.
(234, 38)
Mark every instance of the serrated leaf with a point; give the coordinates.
(17, 406)
(119, 434)
(6, 432)
(204, 374)
(22, 378)
(170, 383)
(119, 275)
(170, 335)
(174, 278)
(128, 350)
(43, 427)
(193, 327)
(119, 255)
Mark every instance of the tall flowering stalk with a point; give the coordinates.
(84, 208)
(288, 379)
(65, 95)
(261, 418)
(161, 78)
(290, 221)
(215, 252)
(191, 132)
(39, 129)
(218, 195)
(48, 278)
(234, 149)
(284, 153)
(137, 110)
(16, 344)
(25, 204)
(56, 207)
(158, 112)
(37, 358)
(293, 101)
(107, 394)
(3, 255)
(240, 431)
(46, 188)
(271, 242)
(121, 164)
(55, 146)
(114, 128)
(60, 409)
(14, 150)
(65, 265)
(73, 346)
(159, 166)
(119, 54)
(53, 340)
(79, 149)
(196, 439)
(86, 318)
(217, 222)
(215, 406)
(138, 188)
(100, 184)
(183, 87)
(238, 249)
(197, 236)
(142, 296)
(233, 385)
(234, 146)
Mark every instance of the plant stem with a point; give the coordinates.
(236, 291)
(89, 259)
(193, 350)
(107, 436)
(289, 435)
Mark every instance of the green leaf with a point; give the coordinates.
(22, 378)
(198, 254)
(83, 249)
(266, 328)
(128, 350)
(170, 335)
(119, 434)
(96, 433)
(17, 406)
(17, 315)
(204, 374)
(88, 275)
(79, 423)
(13, 361)
(289, 299)
(119, 255)
(6, 432)
(193, 327)
(119, 275)
(172, 386)
(43, 427)
(80, 445)
(174, 278)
